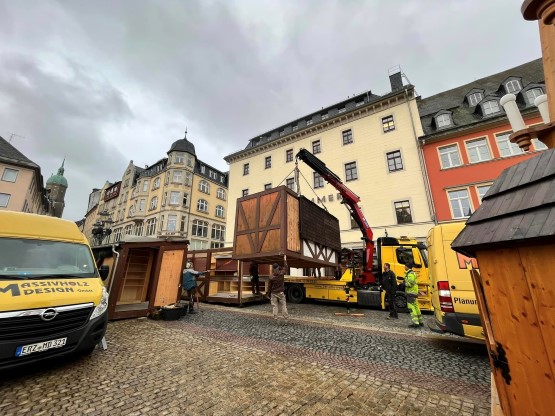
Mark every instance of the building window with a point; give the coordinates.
(443, 120)
(533, 94)
(512, 86)
(139, 229)
(177, 176)
(282, 133)
(220, 194)
(188, 179)
(351, 171)
(245, 169)
(394, 161)
(474, 98)
(267, 186)
(145, 185)
(295, 127)
(179, 158)
(174, 198)
(183, 222)
(245, 192)
(491, 107)
(538, 145)
(200, 228)
(117, 235)
(478, 150)
(388, 124)
(268, 162)
(449, 156)
(318, 181)
(403, 212)
(341, 110)
(154, 202)
(156, 183)
(360, 102)
(4, 199)
(482, 191)
(460, 203)
(190, 161)
(218, 232)
(202, 169)
(290, 182)
(288, 155)
(347, 136)
(316, 147)
(204, 186)
(354, 224)
(150, 226)
(325, 116)
(198, 245)
(128, 230)
(9, 175)
(142, 204)
(216, 245)
(185, 200)
(308, 122)
(202, 205)
(506, 148)
(172, 223)
(220, 211)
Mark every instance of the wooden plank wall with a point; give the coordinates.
(520, 300)
(170, 277)
(293, 235)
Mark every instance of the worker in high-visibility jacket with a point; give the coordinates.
(411, 289)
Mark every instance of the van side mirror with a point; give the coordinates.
(104, 271)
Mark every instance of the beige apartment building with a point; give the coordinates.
(369, 141)
(21, 184)
(177, 197)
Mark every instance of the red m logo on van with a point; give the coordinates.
(464, 262)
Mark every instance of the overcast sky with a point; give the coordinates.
(106, 82)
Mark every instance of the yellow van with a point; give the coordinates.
(453, 297)
(52, 299)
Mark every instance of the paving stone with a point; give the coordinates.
(227, 360)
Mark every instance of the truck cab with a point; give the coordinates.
(52, 298)
(453, 296)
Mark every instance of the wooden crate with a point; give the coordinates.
(276, 223)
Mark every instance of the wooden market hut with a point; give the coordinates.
(147, 275)
(512, 235)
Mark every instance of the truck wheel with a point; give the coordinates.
(401, 302)
(295, 294)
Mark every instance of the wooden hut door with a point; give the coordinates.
(169, 278)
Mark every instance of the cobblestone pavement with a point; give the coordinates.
(233, 361)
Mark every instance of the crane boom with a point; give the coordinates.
(351, 200)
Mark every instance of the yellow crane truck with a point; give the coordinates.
(359, 283)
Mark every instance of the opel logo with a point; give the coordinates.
(48, 314)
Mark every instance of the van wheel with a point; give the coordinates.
(295, 294)
(401, 302)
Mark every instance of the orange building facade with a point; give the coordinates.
(467, 142)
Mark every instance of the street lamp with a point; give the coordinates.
(102, 227)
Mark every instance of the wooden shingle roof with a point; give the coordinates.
(518, 209)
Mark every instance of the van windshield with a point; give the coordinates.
(22, 258)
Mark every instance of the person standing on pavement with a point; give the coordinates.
(276, 288)
(389, 283)
(255, 278)
(411, 289)
(189, 284)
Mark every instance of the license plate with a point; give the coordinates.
(40, 346)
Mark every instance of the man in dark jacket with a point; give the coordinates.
(255, 278)
(189, 284)
(389, 283)
(276, 288)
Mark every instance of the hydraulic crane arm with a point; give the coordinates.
(351, 200)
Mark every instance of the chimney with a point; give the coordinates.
(395, 78)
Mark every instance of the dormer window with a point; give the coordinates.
(309, 122)
(324, 116)
(295, 127)
(490, 107)
(533, 94)
(282, 133)
(443, 120)
(474, 98)
(341, 110)
(512, 86)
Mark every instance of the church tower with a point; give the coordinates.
(56, 187)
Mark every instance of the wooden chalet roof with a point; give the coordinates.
(518, 209)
